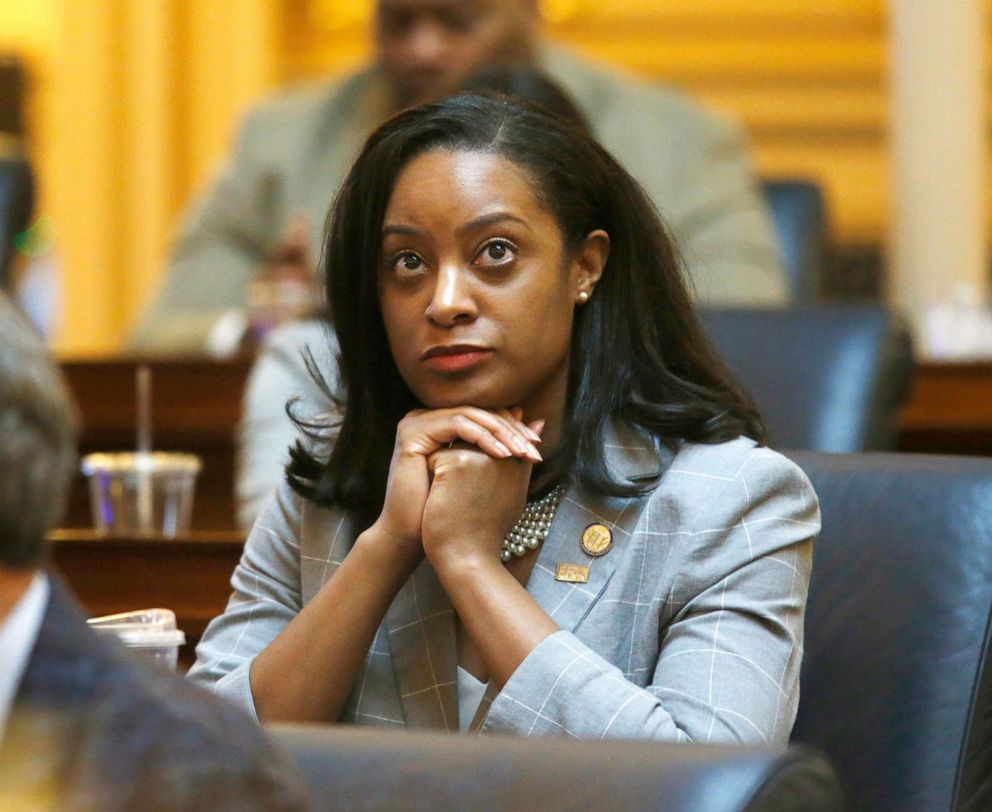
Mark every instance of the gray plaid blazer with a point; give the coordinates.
(689, 629)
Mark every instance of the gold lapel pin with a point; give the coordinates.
(572, 573)
(597, 539)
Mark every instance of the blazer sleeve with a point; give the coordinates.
(266, 597)
(727, 668)
(265, 433)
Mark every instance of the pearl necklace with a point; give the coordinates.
(533, 526)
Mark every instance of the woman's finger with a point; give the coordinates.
(491, 432)
(488, 434)
(507, 431)
(501, 423)
(515, 417)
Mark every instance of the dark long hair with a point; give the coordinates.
(638, 355)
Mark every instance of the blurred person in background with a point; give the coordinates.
(256, 233)
(84, 726)
(29, 271)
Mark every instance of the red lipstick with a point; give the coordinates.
(455, 357)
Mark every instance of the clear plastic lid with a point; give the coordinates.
(151, 462)
(143, 628)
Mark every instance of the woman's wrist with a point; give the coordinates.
(388, 552)
(465, 557)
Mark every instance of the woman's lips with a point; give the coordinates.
(455, 359)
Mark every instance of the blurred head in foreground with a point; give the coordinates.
(37, 442)
(83, 724)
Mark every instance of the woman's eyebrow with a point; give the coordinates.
(491, 219)
(403, 230)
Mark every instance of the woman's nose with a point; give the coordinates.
(452, 300)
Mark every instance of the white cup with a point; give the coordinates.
(150, 632)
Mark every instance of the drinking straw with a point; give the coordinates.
(143, 390)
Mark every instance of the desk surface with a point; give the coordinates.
(949, 410)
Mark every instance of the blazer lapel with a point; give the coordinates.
(419, 624)
(631, 456)
(423, 648)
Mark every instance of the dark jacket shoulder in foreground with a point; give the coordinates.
(94, 728)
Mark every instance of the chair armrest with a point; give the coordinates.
(374, 769)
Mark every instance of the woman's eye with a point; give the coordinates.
(408, 263)
(496, 252)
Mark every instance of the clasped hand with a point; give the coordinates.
(458, 481)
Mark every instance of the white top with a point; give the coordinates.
(470, 693)
(18, 632)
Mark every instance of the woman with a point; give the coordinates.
(513, 325)
(281, 372)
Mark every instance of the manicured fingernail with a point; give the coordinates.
(503, 450)
(538, 425)
(519, 444)
(533, 435)
(535, 455)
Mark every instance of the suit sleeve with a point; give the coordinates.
(266, 597)
(266, 432)
(221, 243)
(722, 225)
(728, 656)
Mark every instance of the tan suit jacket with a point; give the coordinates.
(293, 153)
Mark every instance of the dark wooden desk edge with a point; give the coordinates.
(198, 538)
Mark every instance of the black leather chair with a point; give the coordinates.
(896, 682)
(388, 770)
(824, 378)
(896, 677)
(800, 220)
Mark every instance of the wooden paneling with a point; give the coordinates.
(949, 410)
(132, 103)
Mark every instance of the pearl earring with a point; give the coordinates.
(583, 296)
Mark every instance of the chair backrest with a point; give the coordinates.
(16, 201)
(824, 378)
(896, 678)
(375, 769)
(799, 217)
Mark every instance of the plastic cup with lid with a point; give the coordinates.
(150, 632)
(141, 493)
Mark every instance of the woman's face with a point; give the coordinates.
(476, 292)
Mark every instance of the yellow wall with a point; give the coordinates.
(135, 101)
(132, 102)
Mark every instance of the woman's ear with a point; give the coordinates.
(589, 262)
